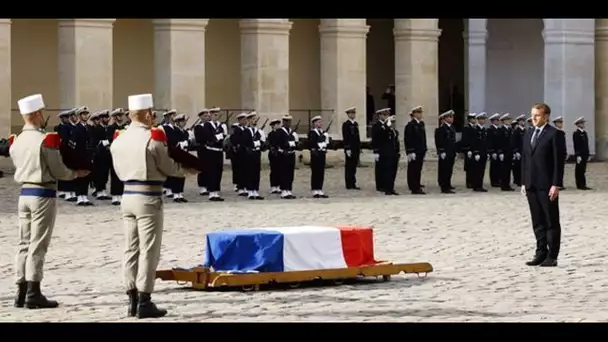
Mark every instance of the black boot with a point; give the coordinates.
(133, 301)
(20, 297)
(147, 309)
(34, 298)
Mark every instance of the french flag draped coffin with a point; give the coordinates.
(285, 249)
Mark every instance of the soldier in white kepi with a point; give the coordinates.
(141, 160)
(38, 167)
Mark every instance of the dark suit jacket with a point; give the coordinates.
(543, 165)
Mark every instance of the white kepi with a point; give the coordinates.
(140, 102)
(31, 104)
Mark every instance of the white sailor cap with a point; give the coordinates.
(505, 116)
(316, 118)
(251, 115)
(104, 113)
(417, 109)
(65, 113)
(472, 115)
(170, 112)
(241, 116)
(180, 117)
(140, 102)
(446, 114)
(95, 115)
(495, 116)
(350, 110)
(521, 117)
(383, 111)
(274, 122)
(529, 119)
(117, 111)
(559, 119)
(235, 124)
(287, 117)
(481, 115)
(82, 110)
(31, 104)
(214, 110)
(579, 120)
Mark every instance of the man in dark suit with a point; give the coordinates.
(542, 176)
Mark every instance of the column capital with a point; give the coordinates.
(99, 23)
(265, 26)
(180, 24)
(475, 38)
(556, 37)
(344, 28)
(417, 30)
(5, 21)
(601, 30)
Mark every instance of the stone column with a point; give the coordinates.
(475, 39)
(265, 66)
(6, 102)
(343, 69)
(417, 72)
(86, 63)
(570, 72)
(179, 64)
(601, 88)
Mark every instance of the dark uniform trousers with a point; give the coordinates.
(102, 168)
(201, 177)
(506, 166)
(387, 171)
(317, 168)
(414, 172)
(579, 172)
(468, 169)
(116, 185)
(479, 170)
(445, 168)
(350, 168)
(254, 167)
(274, 169)
(287, 162)
(516, 171)
(215, 167)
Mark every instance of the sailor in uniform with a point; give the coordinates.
(38, 165)
(64, 128)
(239, 155)
(352, 148)
(182, 139)
(517, 143)
(113, 130)
(445, 143)
(385, 152)
(82, 144)
(273, 158)
(286, 140)
(414, 139)
(494, 150)
(479, 147)
(468, 136)
(214, 134)
(230, 154)
(168, 126)
(581, 152)
(103, 158)
(505, 155)
(253, 141)
(199, 138)
(318, 140)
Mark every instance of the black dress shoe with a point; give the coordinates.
(216, 199)
(259, 197)
(537, 260)
(452, 188)
(584, 188)
(507, 189)
(391, 193)
(480, 190)
(549, 262)
(447, 191)
(418, 192)
(20, 297)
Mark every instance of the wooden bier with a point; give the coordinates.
(203, 278)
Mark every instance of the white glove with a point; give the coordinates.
(411, 156)
(322, 145)
(376, 157)
(517, 155)
(225, 129)
(262, 135)
(477, 157)
(219, 136)
(105, 143)
(296, 137)
(292, 144)
(389, 123)
(578, 160)
(348, 153)
(494, 156)
(256, 143)
(326, 136)
(501, 157)
(469, 154)
(442, 155)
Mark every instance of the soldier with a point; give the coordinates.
(517, 141)
(114, 129)
(581, 151)
(479, 147)
(103, 159)
(182, 139)
(395, 138)
(318, 140)
(384, 152)
(505, 155)
(230, 154)
(199, 138)
(73, 121)
(253, 141)
(414, 139)
(81, 139)
(239, 157)
(469, 134)
(214, 134)
(38, 166)
(529, 122)
(558, 122)
(168, 126)
(63, 129)
(352, 149)
(445, 143)
(494, 150)
(273, 157)
(286, 141)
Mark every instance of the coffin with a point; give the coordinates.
(285, 249)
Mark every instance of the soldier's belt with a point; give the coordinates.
(216, 149)
(39, 190)
(144, 188)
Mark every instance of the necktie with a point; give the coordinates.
(535, 136)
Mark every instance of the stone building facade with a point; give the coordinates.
(312, 66)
